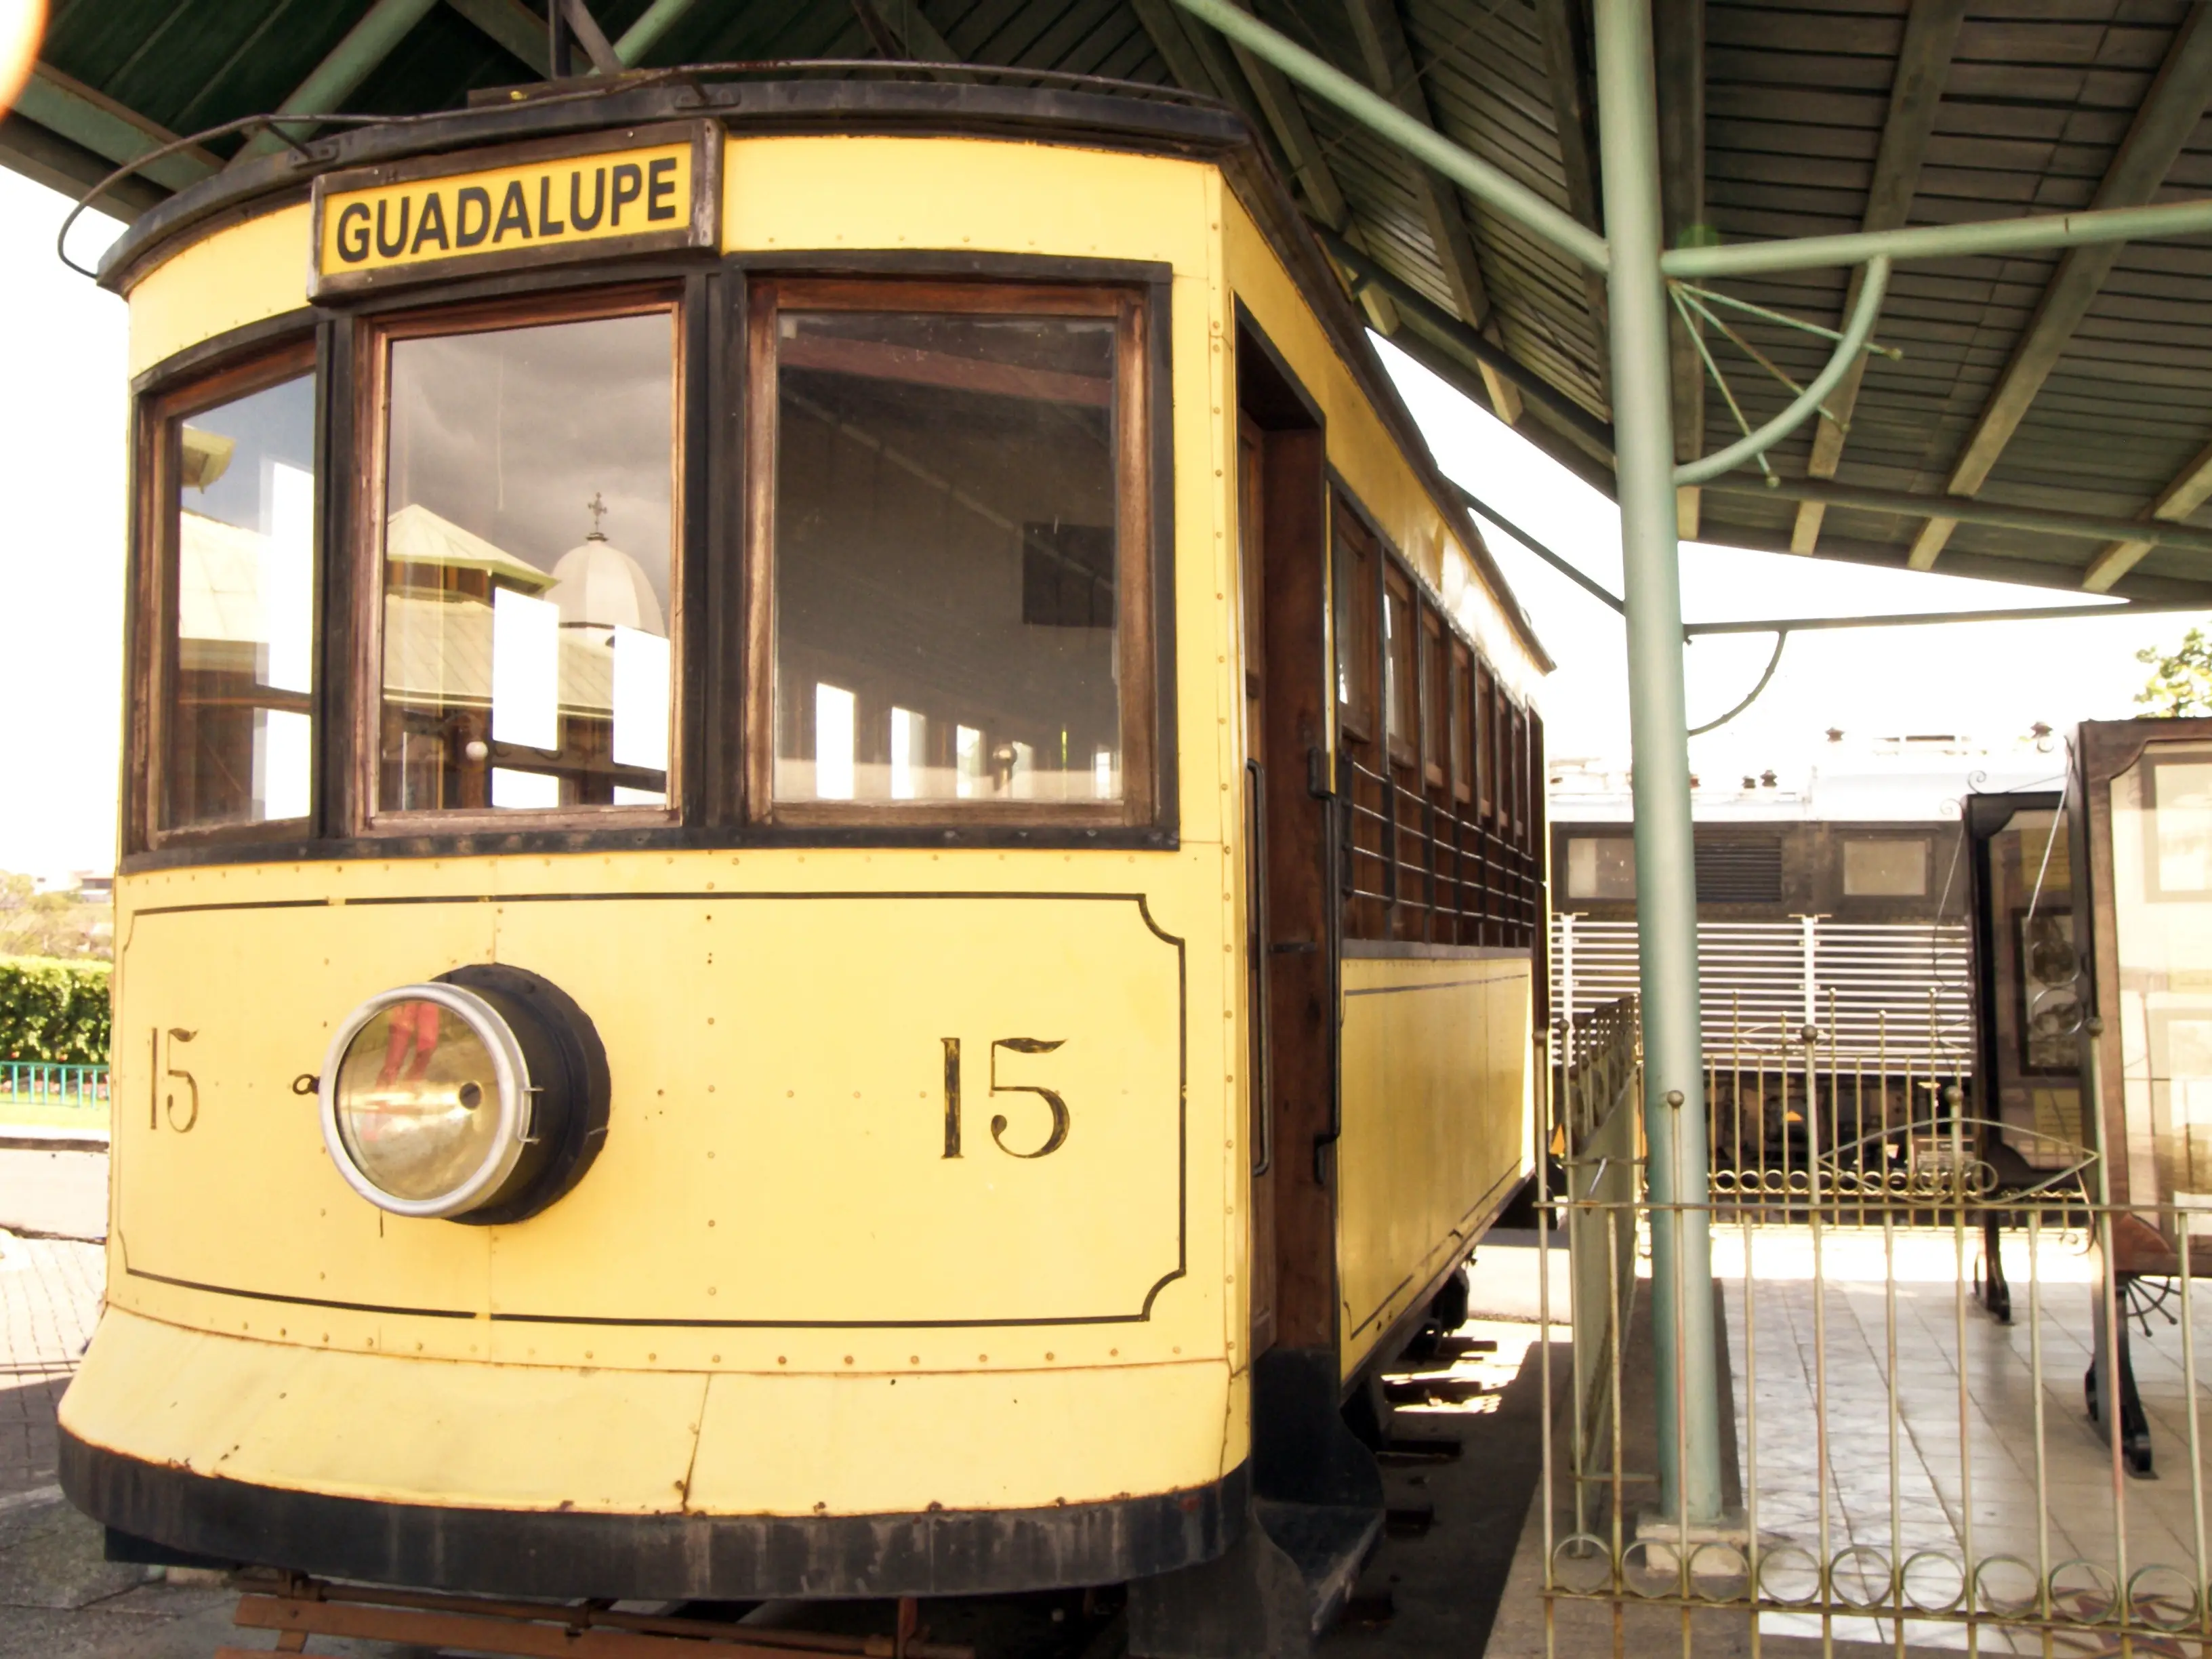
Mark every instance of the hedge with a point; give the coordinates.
(54, 1011)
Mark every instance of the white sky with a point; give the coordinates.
(1990, 681)
(62, 453)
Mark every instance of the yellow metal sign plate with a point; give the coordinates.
(641, 191)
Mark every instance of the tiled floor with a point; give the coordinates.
(1914, 1466)
(50, 1290)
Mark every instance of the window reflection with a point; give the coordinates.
(239, 738)
(529, 519)
(947, 569)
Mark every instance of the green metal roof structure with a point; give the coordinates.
(2058, 394)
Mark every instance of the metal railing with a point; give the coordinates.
(78, 1088)
(1414, 869)
(1941, 1388)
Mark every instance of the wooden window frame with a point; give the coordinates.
(1137, 626)
(1357, 621)
(372, 375)
(1429, 705)
(1459, 720)
(1485, 745)
(1403, 747)
(152, 593)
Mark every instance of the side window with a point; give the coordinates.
(1486, 758)
(227, 587)
(1601, 868)
(1354, 568)
(952, 587)
(1461, 742)
(1400, 687)
(1885, 867)
(524, 551)
(1432, 697)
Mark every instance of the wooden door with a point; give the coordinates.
(1251, 538)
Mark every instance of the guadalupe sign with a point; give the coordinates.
(376, 227)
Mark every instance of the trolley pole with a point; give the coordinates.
(1666, 878)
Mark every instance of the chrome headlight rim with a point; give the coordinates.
(512, 1086)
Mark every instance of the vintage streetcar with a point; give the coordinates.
(832, 878)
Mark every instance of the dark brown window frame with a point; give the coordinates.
(1139, 639)
(1459, 720)
(371, 385)
(1399, 584)
(188, 386)
(1433, 712)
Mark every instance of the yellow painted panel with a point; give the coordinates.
(862, 1444)
(244, 273)
(1436, 1124)
(402, 1429)
(963, 194)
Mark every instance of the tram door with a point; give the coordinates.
(1282, 498)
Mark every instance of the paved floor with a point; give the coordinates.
(53, 1192)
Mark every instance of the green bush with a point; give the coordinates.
(53, 1011)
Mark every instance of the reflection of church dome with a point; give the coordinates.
(598, 585)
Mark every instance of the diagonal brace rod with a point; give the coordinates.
(1488, 185)
(1810, 400)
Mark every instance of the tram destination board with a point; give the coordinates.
(645, 190)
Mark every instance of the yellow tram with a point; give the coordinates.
(832, 878)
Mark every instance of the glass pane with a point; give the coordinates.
(1398, 686)
(239, 739)
(948, 573)
(1601, 868)
(529, 502)
(1885, 869)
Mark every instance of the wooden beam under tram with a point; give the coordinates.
(2164, 123)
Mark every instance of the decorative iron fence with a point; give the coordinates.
(1942, 1383)
(83, 1088)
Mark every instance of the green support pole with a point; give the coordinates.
(1666, 878)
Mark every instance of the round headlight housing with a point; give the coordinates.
(481, 1095)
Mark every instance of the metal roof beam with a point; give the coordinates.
(915, 36)
(511, 23)
(2042, 521)
(1277, 103)
(2169, 113)
(2178, 500)
(47, 158)
(1923, 62)
(642, 36)
(95, 122)
(1566, 66)
(349, 62)
(1388, 58)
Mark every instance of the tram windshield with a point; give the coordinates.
(947, 566)
(239, 741)
(529, 511)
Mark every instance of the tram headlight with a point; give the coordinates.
(479, 1096)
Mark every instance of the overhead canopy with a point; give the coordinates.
(2031, 385)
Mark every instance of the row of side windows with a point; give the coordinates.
(1440, 771)
(1602, 868)
(946, 616)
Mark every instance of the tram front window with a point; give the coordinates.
(952, 569)
(526, 570)
(237, 736)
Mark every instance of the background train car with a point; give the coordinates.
(834, 890)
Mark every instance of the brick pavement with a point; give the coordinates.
(50, 1292)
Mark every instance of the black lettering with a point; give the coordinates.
(625, 172)
(547, 224)
(513, 212)
(353, 233)
(576, 198)
(398, 245)
(433, 224)
(660, 177)
(471, 196)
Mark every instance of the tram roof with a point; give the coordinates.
(2040, 384)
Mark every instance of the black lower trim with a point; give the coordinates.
(662, 1557)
